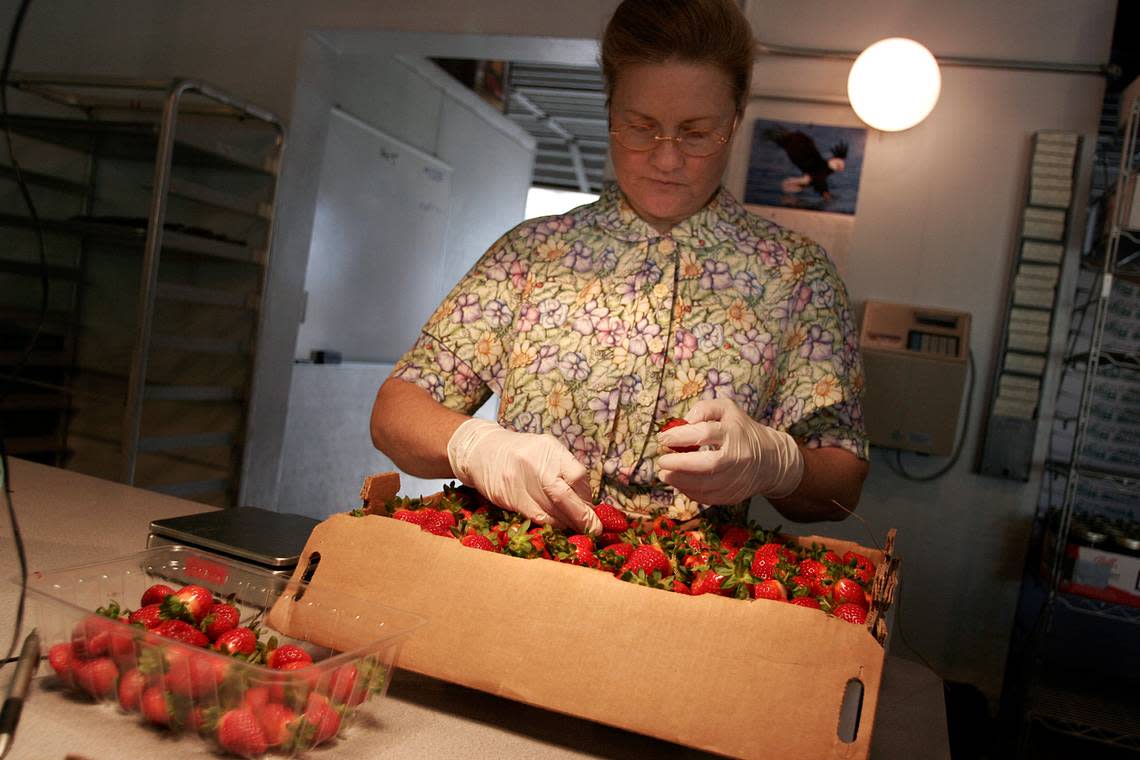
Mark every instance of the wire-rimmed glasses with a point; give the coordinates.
(697, 143)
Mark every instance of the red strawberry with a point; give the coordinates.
(581, 552)
(154, 706)
(863, 569)
(97, 636)
(256, 697)
(276, 721)
(319, 723)
(805, 601)
(660, 526)
(437, 521)
(847, 591)
(673, 422)
(240, 732)
(197, 676)
(852, 613)
(155, 594)
(770, 589)
(477, 541)
(62, 659)
(189, 603)
(648, 559)
(220, 617)
(734, 536)
(97, 677)
(414, 516)
(285, 654)
(680, 588)
(148, 617)
(765, 565)
(237, 641)
(613, 520)
(707, 582)
(297, 681)
(131, 686)
(180, 630)
(346, 687)
(614, 556)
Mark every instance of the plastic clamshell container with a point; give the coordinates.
(198, 687)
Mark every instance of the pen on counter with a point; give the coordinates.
(18, 690)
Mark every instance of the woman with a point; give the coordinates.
(665, 298)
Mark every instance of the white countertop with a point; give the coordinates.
(70, 519)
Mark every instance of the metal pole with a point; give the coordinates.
(136, 383)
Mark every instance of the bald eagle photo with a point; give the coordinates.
(788, 168)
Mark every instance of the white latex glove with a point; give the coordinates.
(534, 475)
(741, 457)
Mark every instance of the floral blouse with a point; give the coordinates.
(594, 328)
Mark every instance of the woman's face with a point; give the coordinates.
(663, 185)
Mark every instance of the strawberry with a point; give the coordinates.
(580, 551)
(660, 526)
(671, 423)
(285, 654)
(98, 677)
(189, 603)
(613, 520)
(256, 697)
(847, 591)
(734, 536)
(180, 630)
(346, 687)
(239, 732)
(96, 636)
(764, 565)
(154, 705)
(237, 641)
(648, 559)
(196, 676)
(414, 516)
(805, 601)
(707, 582)
(438, 522)
(770, 589)
(297, 681)
(276, 721)
(155, 594)
(220, 617)
(679, 587)
(852, 613)
(477, 541)
(62, 659)
(131, 686)
(863, 570)
(148, 617)
(614, 556)
(319, 723)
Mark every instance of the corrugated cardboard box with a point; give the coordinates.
(740, 678)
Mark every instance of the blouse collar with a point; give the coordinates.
(613, 213)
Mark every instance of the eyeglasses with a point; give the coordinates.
(697, 143)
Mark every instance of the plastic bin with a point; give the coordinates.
(243, 708)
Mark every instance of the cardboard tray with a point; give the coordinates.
(744, 679)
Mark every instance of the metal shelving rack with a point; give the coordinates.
(180, 180)
(1058, 694)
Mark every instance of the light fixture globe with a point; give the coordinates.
(894, 84)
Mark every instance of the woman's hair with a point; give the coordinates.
(693, 31)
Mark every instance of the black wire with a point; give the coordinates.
(9, 53)
(957, 448)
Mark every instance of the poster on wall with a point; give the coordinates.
(805, 166)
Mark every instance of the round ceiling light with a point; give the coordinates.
(894, 84)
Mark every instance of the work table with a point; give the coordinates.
(69, 519)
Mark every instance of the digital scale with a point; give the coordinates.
(271, 540)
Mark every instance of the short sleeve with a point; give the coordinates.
(459, 357)
(818, 399)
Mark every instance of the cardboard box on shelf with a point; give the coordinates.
(740, 678)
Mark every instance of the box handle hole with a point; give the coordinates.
(849, 711)
(307, 574)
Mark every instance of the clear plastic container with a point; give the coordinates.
(244, 709)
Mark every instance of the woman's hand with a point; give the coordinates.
(740, 457)
(534, 475)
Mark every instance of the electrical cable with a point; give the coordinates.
(900, 470)
(5, 469)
